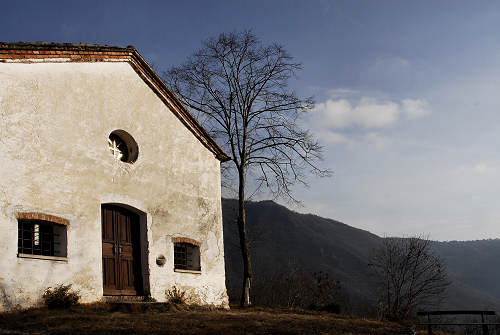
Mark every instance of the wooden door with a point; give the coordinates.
(121, 264)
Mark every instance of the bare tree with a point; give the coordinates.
(238, 90)
(410, 275)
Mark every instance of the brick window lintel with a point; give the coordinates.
(42, 217)
(185, 240)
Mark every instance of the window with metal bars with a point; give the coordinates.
(186, 257)
(42, 238)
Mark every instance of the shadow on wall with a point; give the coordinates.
(12, 299)
(6, 302)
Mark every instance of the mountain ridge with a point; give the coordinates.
(281, 238)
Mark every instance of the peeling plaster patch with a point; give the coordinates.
(6, 300)
(211, 251)
(4, 201)
(84, 280)
(119, 170)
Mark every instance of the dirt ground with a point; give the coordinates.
(165, 319)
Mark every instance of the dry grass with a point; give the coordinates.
(168, 319)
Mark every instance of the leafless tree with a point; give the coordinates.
(238, 90)
(410, 275)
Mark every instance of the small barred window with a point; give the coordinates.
(186, 257)
(36, 237)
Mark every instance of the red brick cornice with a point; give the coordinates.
(42, 217)
(42, 52)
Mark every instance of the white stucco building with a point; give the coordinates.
(107, 182)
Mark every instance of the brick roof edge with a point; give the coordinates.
(87, 52)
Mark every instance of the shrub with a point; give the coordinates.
(148, 298)
(330, 308)
(176, 296)
(295, 287)
(60, 296)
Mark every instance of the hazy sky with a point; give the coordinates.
(407, 92)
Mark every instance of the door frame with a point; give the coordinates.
(142, 255)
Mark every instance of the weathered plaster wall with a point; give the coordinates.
(55, 119)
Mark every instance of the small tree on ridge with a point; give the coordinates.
(410, 275)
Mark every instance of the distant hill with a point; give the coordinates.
(474, 269)
(281, 238)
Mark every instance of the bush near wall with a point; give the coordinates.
(61, 296)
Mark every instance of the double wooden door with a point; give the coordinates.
(121, 263)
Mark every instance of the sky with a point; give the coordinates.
(407, 94)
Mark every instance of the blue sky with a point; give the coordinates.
(407, 92)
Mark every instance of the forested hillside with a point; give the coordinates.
(282, 239)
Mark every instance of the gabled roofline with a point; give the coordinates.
(42, 52)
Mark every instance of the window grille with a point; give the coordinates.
(186, 257)
(43, 238)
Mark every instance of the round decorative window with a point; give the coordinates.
(123, 146)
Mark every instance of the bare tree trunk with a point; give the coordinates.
(247, 267)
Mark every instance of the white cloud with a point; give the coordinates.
(331, 137)
(368, 113)
(414, 108)
(351, 120)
